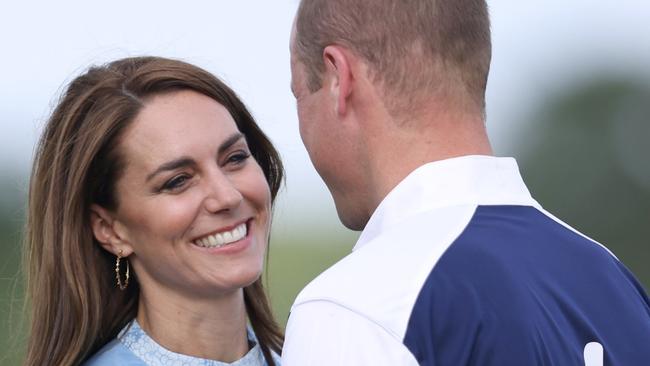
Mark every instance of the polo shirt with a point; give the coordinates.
(459, 265)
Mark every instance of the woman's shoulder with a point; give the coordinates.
(114, 353)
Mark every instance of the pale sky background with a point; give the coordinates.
(538, 48)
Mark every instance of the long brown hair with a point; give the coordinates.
(75, 305)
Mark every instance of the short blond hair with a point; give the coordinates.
(411, 46)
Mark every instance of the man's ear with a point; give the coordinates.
(340, 74)
(108, 232)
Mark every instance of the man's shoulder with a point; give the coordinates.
(381, 280)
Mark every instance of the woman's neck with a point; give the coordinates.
(213, 328)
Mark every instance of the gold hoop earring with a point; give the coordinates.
(121, 285)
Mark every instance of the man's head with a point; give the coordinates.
(412, 47)
(352, 58)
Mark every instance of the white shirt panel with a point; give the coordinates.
(329, 334)
(376, 285)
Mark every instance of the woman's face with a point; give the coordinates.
(194, 205)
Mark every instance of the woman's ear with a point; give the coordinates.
(104, 226)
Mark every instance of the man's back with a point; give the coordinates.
(527, 290)
(460, 266)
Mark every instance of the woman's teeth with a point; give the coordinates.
(223, 238)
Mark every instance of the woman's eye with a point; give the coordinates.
(238, 157)
(175, 183)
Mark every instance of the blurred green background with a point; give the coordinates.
(584, 155)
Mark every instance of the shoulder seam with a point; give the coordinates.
(570, 228)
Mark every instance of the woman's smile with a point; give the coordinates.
(223, 236)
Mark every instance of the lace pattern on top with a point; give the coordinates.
(144, 347)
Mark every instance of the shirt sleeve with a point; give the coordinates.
(325, 333)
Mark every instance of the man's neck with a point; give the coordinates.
(399, 150)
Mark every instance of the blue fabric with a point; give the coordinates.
(134, 347)
(518, 288)
(114, 353)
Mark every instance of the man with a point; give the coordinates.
(457, 264)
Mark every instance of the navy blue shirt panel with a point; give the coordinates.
(518, 288)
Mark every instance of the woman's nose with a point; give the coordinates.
(222, 194)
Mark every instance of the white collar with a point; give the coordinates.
(466, 180)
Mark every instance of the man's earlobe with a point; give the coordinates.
(337, 67)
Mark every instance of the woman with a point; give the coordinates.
(149, 215)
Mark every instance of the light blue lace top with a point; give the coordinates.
(133, 347)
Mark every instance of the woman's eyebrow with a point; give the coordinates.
(185, 161)
(172, 165)
(235, 137)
